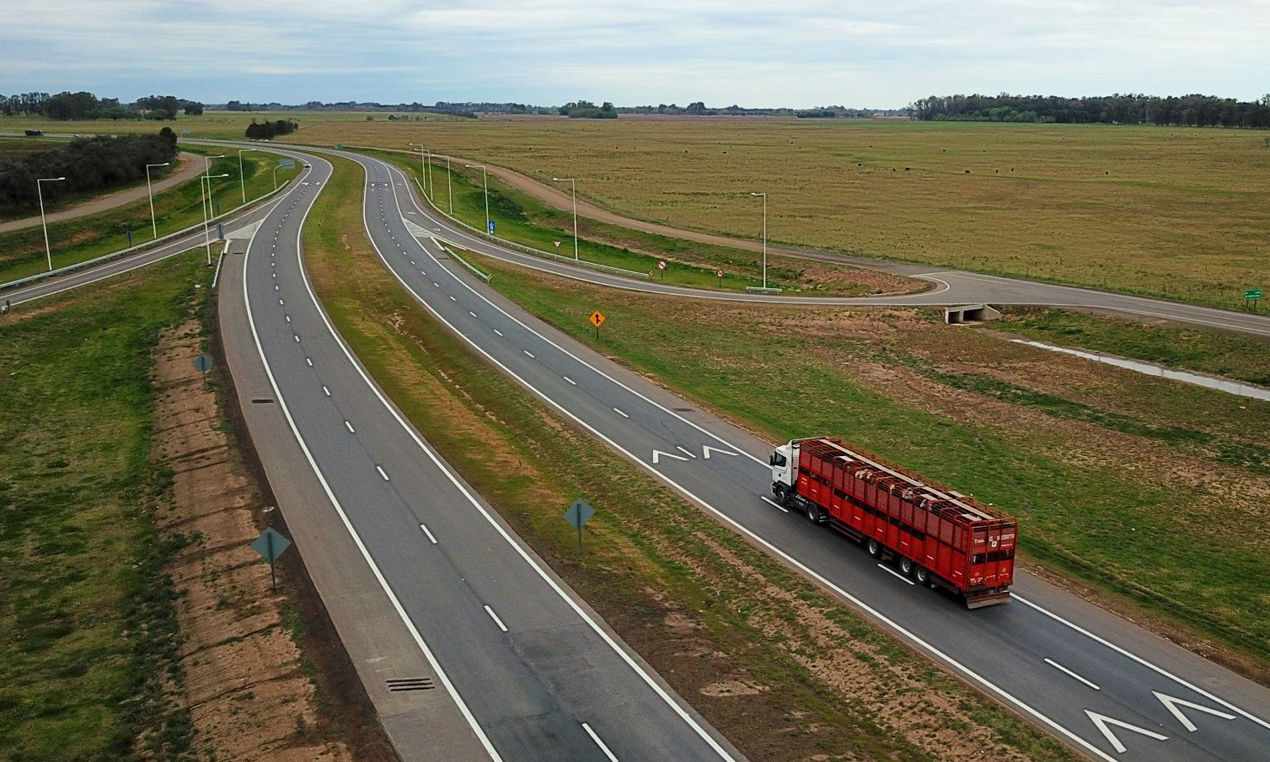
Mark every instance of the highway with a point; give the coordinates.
(532, 672)
(1099, 683)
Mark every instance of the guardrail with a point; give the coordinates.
(529, 249)
(464, 262)
(141, 246)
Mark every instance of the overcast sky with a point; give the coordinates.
(881, 54)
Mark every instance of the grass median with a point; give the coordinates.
(22, 252)
(783, 670)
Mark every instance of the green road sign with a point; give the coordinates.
(1252, 293)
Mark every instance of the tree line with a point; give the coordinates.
(88, 164)
(67, 106)
(588, 110)
(266, 130)
(1183, 111)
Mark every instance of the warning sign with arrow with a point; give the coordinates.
(597, 318)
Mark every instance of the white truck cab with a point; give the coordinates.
(784, 462)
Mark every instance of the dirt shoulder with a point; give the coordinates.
(262, 676)
(187, 169)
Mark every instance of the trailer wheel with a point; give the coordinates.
(906, 566)
(921, 574)
(875, 547)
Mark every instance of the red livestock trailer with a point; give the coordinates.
(937, 536)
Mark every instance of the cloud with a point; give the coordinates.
(798, 52)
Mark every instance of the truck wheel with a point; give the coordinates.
(875, 547)
(782, 494)
(813, 512)
(906, 567)
(922, 575)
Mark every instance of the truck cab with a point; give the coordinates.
(784, 463)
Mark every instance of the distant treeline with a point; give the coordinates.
(88, 164)
(267, 130)
(68, 106)
(1184, 111)
(588, 110)
(699, 108)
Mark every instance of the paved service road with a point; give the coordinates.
(533, 672)
(1101, 684)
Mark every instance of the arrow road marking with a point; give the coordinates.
(707, 449)
(658, 454)
(685, 452)
(1102, 721)
(1172, 703)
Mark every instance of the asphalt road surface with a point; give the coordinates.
(1099, 683)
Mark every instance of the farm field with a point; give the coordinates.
(1177, 213)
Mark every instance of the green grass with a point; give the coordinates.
(22, 251)
(1173, 345)
(649, 554)
(520, 218)
(88, 622)
(1136, 537)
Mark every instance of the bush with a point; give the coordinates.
(88, 164)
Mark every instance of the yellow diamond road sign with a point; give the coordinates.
(597, 318)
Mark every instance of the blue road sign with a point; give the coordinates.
(491, 226)
(286, 163)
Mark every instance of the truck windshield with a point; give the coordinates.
(778, 460)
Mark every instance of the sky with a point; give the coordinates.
(797, 53)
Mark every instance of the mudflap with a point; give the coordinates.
(988, 599)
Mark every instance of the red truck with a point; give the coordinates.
(938, 537)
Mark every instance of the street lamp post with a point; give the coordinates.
(242, 181)
(207, 234)
(574, 184)
(485, 181)
(423, 168)
(39, 190)
(449, 188)
(207, 173)
(764, 195)
(154, 225)
(275, 178)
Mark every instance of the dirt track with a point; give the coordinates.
(187, 169)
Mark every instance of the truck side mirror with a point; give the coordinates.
(771, 460)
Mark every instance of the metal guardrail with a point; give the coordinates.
(483, 276)
(529, 249)
(139, 247)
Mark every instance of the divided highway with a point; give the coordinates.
(1101, 684)
(532, 672)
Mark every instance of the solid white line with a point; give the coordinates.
(350, 427)
(770, 501)
(566, 378)
(1069, 673)
(894, 626)
(599, 743)
(527, 352)
(348, 525)
(382, 473)
(1143, 662)
(497, 621)
(619, 412)
(689, 453)
(895, 574)
(508, 538)
(428, 533)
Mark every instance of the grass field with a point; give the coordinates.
(88, 624)
(782, 670)
(527, 221)
(1179, 213)
(1119, 479)
(22, 252)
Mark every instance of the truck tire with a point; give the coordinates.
(813, 512)
(874, 547)
(906, 566)
(921, 574)
(782, 494)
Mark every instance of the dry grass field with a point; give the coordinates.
(1180, 213)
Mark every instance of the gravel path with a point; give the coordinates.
(187, 169)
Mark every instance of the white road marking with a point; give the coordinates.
(274, 274)
(326, 391)
(309, 360)
(531, 356)
(275, 287)
(288, 317)
(500, 333)
(473, 314)
(1102, 721)
(438, 285)
(566, 378)
(685, 452)
(497, 621)
(895, 574)
(658, 454)
(297, 338)
(1171, 703)
(1070, 674)
(599, 743)
(770, 501)
(281, 302)
(350, 427)
(707, 449)
(424, 527)
(624, 415)
(382, 473)
(453, 299)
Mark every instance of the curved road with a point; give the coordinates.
(1099, 683)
